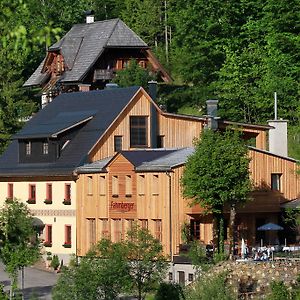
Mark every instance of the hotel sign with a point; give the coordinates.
(122, 206)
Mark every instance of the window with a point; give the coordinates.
(104, 228)
(160, 141)
(48, 193)
(118, 143)
(102, 185)
(129, 224)
(154, 187)
(68, 235)
(48, 236)
(28, 148)
(170, 276)
(195, 229)
(91, 231)
(67, 199)
(128, 186)
(157, 229)
(275, 182)
(45, 148)
(191, 277)
(90, 185)
(141, 184)
(138, 132)
(144, 223)
(31, 193)
(115, 186)
(10, 190)
(117, 230)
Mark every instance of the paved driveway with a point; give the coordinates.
(36, 282)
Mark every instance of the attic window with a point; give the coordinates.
(45, 148)
(28, 148)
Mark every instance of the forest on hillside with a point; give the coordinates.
(237, 51)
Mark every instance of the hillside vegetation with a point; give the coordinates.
(239, 52)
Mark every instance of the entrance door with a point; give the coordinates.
(181, 276)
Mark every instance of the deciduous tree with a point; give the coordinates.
(217, 174)
(19, 245)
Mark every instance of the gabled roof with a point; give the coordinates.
(104, 105)
(144, 160)
(83, 45)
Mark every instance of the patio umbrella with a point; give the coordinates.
(270, 227)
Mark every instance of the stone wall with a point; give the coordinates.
(254, 278)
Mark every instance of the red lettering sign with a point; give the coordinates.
(122, 206)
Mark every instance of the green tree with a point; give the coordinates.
(147, 261)
(144, 18)
(19, 245)
(217, 174)
(108, 269)
(133, 74)
(210, 287)
(102, 274)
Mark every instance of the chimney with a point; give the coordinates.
(278, 137)
(84, 87)
(152, 89)
(212, 112)
(89, 14)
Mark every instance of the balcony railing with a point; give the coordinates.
(103, 74)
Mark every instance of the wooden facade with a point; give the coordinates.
(109, 201)
(175, 131)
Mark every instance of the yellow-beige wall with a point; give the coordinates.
(56, 214)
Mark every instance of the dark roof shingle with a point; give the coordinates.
(106, 105)
(84, 43)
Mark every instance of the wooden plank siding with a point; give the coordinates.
(177, 131)
(263, 164)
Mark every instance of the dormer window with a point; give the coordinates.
(45, 148)
(28, 148)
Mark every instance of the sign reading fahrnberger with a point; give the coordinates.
(122, 206)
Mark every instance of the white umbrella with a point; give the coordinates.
(243, 248)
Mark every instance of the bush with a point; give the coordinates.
(55, 262)
(279, 291)
(208, 288)
(168, 291)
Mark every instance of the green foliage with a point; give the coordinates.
(167, 291)
(111, 268)
(147, 262)
(55, 262)
(18, 239)
(279, 291)
(198, 256)
(210, 287)
(145, 18)
(96, 277)
(218, 171)
(133, 74)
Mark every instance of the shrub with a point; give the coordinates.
(168, 291)
(279, 291)
(207, 288)
(55, 262)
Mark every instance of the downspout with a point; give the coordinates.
(170, 213)
(170, 223)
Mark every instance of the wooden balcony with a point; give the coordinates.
(103, 74)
